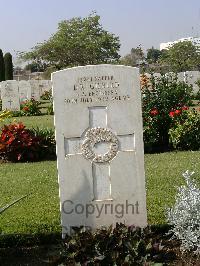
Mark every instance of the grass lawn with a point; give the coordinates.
(42, 121)
(39, 212)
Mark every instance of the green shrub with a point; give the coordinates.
(119, 246)
(46, 95)
(30, 107)
(122, 245)
(162, 99)
(5, 114)
(196, 96)
(20, 144)
(50, 109)
(186, 135)
(47, 142)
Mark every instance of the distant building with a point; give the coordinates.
(194, 40)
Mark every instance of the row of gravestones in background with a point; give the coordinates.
(190, 77)
(14, 92)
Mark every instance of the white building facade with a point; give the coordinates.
(194, 40)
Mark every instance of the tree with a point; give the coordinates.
(47, 73)
(182, 56)
(135, 58)
(8, 66)
(78, 41)
(2, 68)
(153, 55)
(34, 67)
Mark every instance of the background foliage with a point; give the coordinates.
(78, 41)
(8, 66)
(2, 67)
(182, 56)
(163, 99)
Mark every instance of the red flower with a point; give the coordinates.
(10, 140)
(25, 108)
(177, 112)
(19, 156)
(154, 112)
(185, 107)
(172, 114)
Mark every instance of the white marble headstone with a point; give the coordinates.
(35, 90)
(10, 95)
(24, 90)
(99, 139)
(44, 85)
(191, 78)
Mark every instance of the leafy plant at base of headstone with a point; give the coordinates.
(122, 245)
(111, 246)
(8, 66)
(185, 215)
(186, 135)
(162, 99)
(30, 107)
(18, 143)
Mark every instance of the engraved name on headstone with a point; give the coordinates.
(98, 125)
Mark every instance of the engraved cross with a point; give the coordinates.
(10, 101)
(102, 187)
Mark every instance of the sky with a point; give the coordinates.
(24, 23)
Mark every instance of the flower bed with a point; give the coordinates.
(17, 143)
(165, 104)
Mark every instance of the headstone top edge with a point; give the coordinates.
(10, 80)
(93, 66)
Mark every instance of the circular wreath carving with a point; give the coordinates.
(97, 135)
